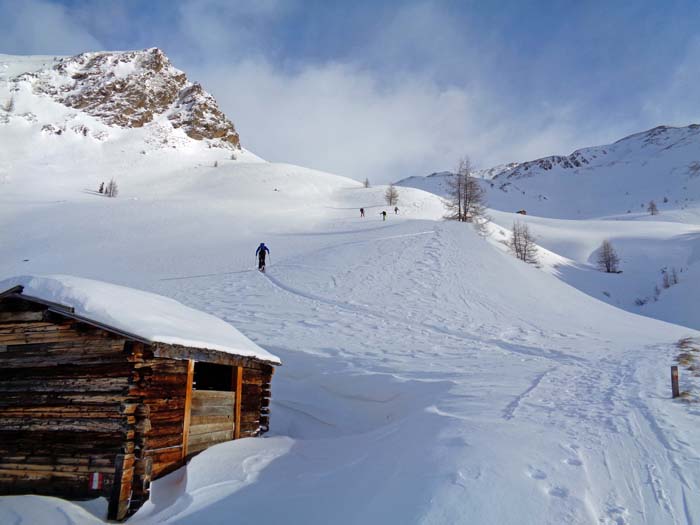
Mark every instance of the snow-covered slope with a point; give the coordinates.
(599, 187)
(661, 164)
(82, 120)
(429, 376)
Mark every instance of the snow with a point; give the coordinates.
(430, 377)
(152, 317)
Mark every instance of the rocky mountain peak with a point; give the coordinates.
(132, 89)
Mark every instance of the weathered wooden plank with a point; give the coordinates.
(36, 474)
(55, 468)
(108, 369)
(203, 402)
(114, 509)
(237, 409)
(67, 397)
(205, 420)
(21, 316)
(188, 407)
(67, 425)
(211, 437)
(212, 427)
(69, 412)
(85, 383)
(208, 356)
(213, 395)
(212, 411)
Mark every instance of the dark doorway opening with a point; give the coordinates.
(209, 376)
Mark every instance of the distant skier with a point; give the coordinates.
(362, 212)
(260, 252)
(396, 210)
(383, 214)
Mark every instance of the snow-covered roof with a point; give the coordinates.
(151, 317)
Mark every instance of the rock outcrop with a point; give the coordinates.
(132, 89)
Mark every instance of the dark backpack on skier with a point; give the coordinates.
(260, 252)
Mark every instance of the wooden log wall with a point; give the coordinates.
(65, 407)
(255, 401)
(162, 390)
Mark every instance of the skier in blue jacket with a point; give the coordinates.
(260, 252)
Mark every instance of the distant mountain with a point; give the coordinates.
(132, 89)
(661, 164)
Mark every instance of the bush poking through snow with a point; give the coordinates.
(391, 195)
(112, 190)
(608, 261)
(670, 277)
(466, 197)
(522, 243)
(9, 106)
(652, 208)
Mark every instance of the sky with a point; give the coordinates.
(388, 89)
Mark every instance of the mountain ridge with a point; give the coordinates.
(660, 164)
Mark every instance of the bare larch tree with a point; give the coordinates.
(608, 261)
(522, 243)
(466, 196)
(391, 195)
(111, 190)
(652, 208)
(366, 182)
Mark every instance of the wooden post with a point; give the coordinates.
(188, 407)
(115, 510)
(237, 403)
(674, 382)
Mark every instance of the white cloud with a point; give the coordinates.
(343, 119)
(38, 27)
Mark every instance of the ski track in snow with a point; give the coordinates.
(593, 403)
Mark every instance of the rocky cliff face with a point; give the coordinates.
(132, 89)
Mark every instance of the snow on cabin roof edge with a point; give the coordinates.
(149, 316)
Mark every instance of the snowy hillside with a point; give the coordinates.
(661, 164)
(429, 377)
(81, 120)
(598, 187)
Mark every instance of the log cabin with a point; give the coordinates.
(104, 388)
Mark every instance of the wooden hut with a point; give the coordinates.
(104, 388)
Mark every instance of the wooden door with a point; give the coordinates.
(212, 416)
